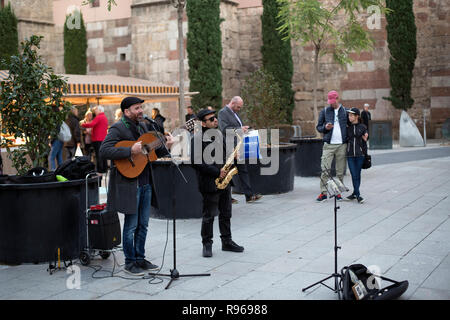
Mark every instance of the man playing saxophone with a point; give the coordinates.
(209, 168)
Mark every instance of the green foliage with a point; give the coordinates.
(8, 34)
(31, 106)
(204, 48)
(310, 22)
(263, 100)
(401, 36)
(75, 44)
(276, 52)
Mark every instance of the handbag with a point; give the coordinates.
(367, 161)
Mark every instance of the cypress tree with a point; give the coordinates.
(401, 37)
(204, 48)
(75, 44)
(277, 56)
(8, 35)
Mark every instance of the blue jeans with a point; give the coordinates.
(355, 166)
(135, 226)
(56, 153)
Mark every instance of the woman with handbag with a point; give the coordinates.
(356, 150)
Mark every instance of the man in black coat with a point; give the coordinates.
(131, 196)
(366, 116)
(214, 199)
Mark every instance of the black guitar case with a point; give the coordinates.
(387, 293)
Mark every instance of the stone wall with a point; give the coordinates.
(109, 47)
(35, 17)
(250, 40)
(230, 28)
(145, 46)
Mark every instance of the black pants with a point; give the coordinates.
(101, 163)
(244, 178)
(214, 202)
(71, 152)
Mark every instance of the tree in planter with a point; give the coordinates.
(312, 23)
(276, 53)
(75, 44)
(8, 34)
(204, 47)
(263, 99)
(31, 106)
(401, 37)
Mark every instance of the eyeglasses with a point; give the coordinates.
(210, 119)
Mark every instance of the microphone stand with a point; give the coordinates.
(334, 187)
(174, 274)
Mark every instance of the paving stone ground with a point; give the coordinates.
(403, 228)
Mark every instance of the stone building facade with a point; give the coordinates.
(142, 42)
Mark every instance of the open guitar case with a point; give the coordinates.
(393, 291)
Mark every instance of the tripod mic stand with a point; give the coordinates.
(174, 274)
(334, 188)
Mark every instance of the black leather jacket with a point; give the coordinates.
(207, 172)
(356, 146)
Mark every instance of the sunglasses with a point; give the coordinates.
(210, 119)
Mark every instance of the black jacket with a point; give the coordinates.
(356, 146)
(74, 124)
(122, 191)
(327, 116)
(207, 173)
(365, 118)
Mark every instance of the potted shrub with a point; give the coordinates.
(264, 110)
(37, 219)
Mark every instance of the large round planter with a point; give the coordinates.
(38, 218)
(308, 157)
(281, 182)
(169, 183)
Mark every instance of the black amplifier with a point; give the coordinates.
(103, 228)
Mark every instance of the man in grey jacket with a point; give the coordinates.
(229, 119)
(333, 121)
(132, 197)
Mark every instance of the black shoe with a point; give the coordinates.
(360, 199)
(351, 197)
(207, 250)
(231, 246)
(233, 200)
(146, 265)
(133, 269)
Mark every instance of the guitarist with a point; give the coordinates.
(132, 197)
(213, 199)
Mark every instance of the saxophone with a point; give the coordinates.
(222, 183)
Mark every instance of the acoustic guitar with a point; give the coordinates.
(133, 166)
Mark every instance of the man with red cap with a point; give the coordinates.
(333, 121)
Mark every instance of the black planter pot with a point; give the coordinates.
(308, 157)
(281, 182)
(168, 183)
(38, 218)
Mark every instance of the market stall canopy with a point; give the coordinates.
(111, 89)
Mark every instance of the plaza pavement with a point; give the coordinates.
(403, 228)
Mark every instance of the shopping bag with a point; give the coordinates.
(78, 152)
(251, 145)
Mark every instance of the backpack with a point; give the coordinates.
(35, 175)
(76, 168)
(357, 280)
(64, 133)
